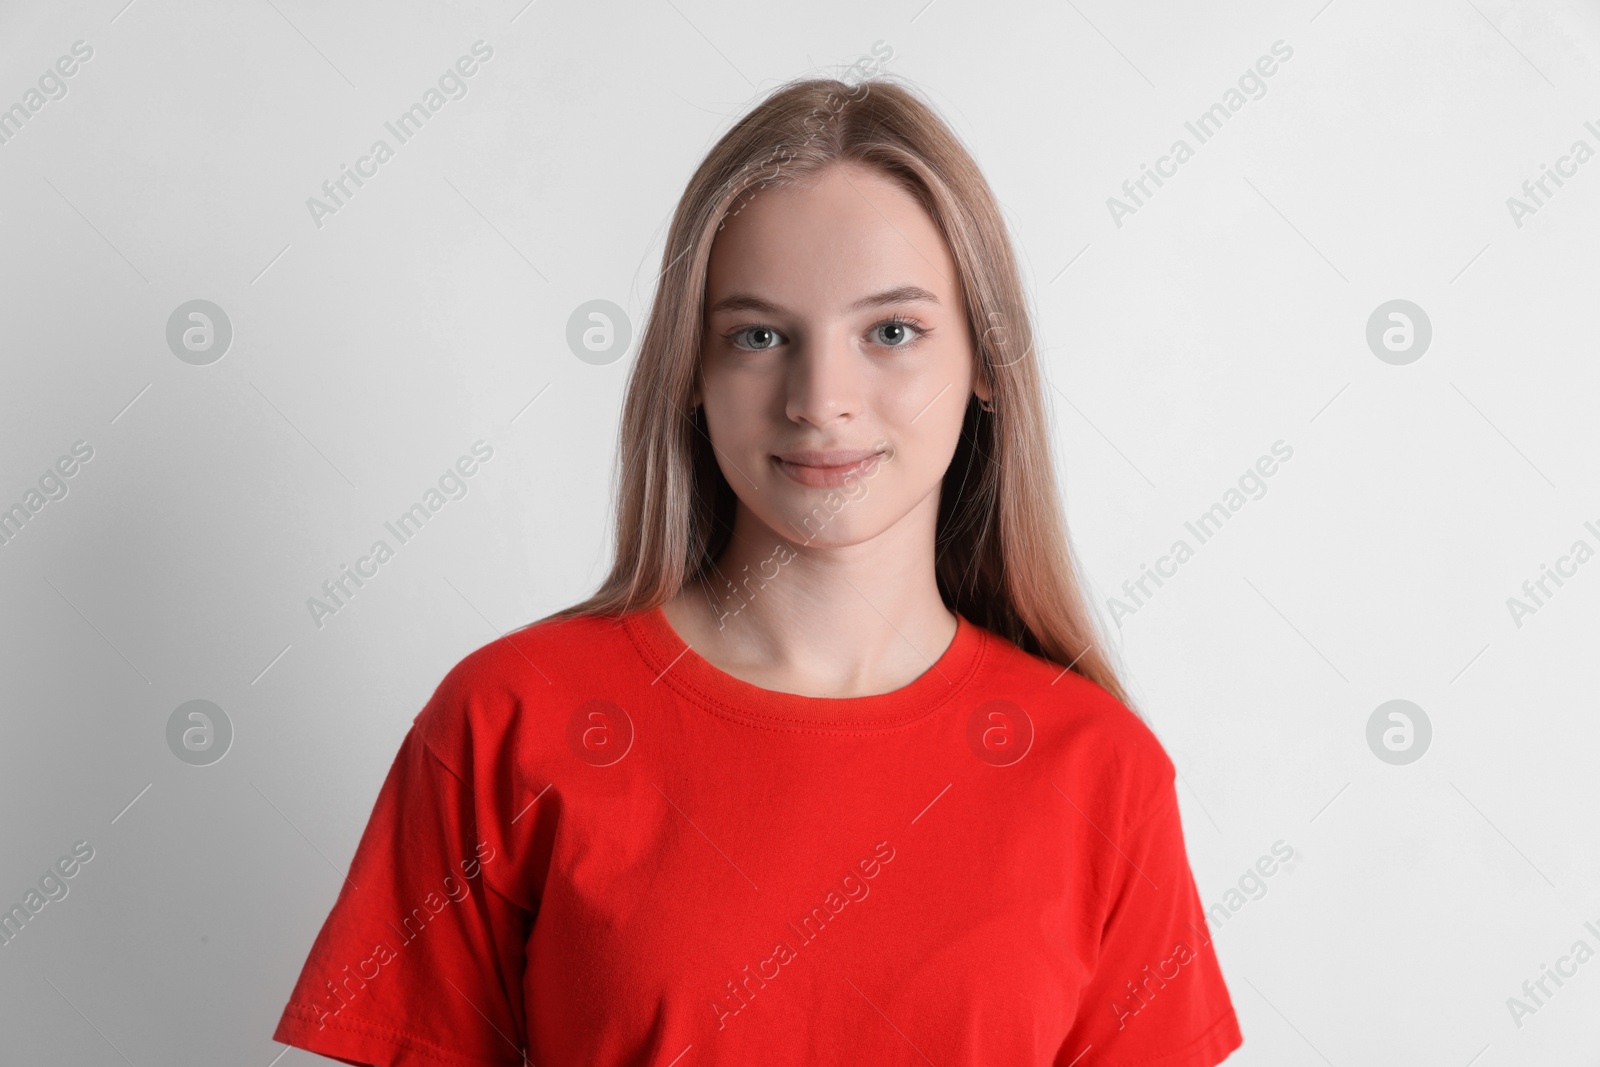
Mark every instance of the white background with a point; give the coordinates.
(1228, 313)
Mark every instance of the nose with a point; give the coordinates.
(824, 381)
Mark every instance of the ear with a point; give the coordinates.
(980, 385)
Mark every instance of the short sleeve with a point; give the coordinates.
(420, 961)
(1156, 997)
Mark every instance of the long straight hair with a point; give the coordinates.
(1002, 553)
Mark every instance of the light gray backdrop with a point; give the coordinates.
(1184, 334)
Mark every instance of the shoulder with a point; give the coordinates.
(1099, 752)
(510, 684)
(535, 655)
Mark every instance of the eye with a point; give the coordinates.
(901, 332)
(766, 335)
(894, 332)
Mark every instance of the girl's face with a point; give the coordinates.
(836, 366)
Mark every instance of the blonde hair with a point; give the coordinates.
(1003, 556)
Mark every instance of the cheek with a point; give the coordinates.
(925, 425)
(735, 410)
(922, 460)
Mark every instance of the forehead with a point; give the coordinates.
(822, 244)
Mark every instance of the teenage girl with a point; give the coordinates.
(835, 767)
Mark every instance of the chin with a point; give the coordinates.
(824, 527)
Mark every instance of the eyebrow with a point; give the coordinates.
(902, 294)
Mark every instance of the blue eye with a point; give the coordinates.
(908, 332)
(894, 332)
(765, 330)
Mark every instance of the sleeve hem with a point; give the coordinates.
(1213, 1046)
(372, 1043)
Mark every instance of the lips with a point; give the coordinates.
(820, 469)
(840, 457)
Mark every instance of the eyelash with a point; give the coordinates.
(921, 333)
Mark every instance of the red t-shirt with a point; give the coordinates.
(596, 845)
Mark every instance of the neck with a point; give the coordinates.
(821, 619)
